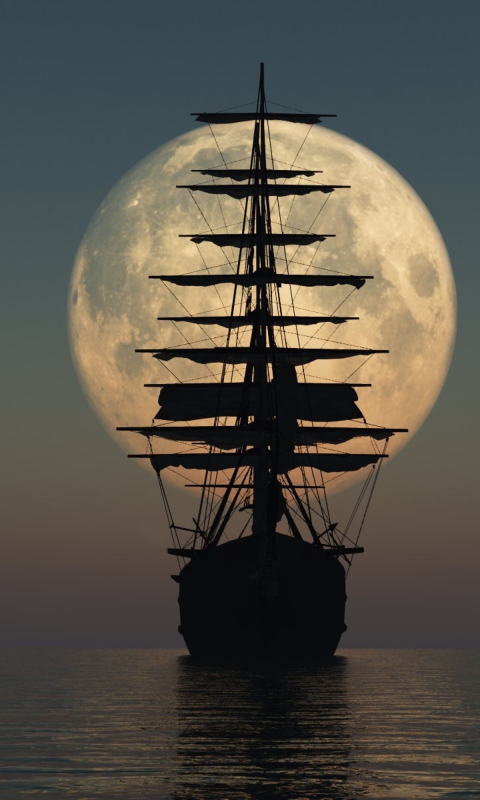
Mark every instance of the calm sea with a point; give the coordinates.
(153, 724)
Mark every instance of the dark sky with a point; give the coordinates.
(87, 90)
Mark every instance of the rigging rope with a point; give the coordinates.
(377, 473)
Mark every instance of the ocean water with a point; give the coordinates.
(154, 724)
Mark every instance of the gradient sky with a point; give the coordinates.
(87, 90)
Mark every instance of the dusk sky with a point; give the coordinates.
(88, 89)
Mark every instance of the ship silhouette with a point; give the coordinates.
(268, 438)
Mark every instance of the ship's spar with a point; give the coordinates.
(269, 402)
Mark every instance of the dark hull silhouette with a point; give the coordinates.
(250, 598)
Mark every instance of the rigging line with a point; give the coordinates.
(289, 164)
(331, 480)
(218, 146)
(332, 315)
(318, 214)
(276, 204)
(377, 473)
(244, 207)
(201, 378)
(210, 227)
(280, 105)
(294, 510)
(360, 348)
(325, 512)
(293, 163)
(243, 529)
(206, 491)
(358, 504)
(178, 299)
(323, 520)
(213, 497)
(295, 228)
(242, 479)
(232, 108)
(210, 505)
(279, 302)
(223, 216)
(325, 497)
(171, 371)
(202, 269)
(302, 264)
(202, 328)
(323, 339)
(358, 368)
(207, 339)
(221, 505)
(309, 266)
(224, 306)
(215, 266)
(306, 487)
(315, 311)
(307, 495)
(308, 375)
(170, 520)
(210, 311)
(359, 500)
(174, 471)
(245, 296)
(233, 161)
(218, 228)
(325, 509)
(208, 501)
(301, 146)
(306, 179)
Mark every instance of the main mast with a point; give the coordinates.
(264, 259)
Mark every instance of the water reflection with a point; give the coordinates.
(154, 725)
(268, 732)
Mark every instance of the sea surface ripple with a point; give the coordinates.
(88, 724)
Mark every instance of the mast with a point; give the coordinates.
(262, 510)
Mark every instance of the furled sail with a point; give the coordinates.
(246, 355)
(317, 402)
(239, 322)
(262, 190)
(337, 462)
(227, 117)
(214, 462)
(230, 437)
(253, 239)
(246, 174)
(264, 277)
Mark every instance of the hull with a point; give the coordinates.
(250, 598)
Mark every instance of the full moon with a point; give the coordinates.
(381, 228)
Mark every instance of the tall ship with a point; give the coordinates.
(262, 566)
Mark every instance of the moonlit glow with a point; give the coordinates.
(382, 228)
